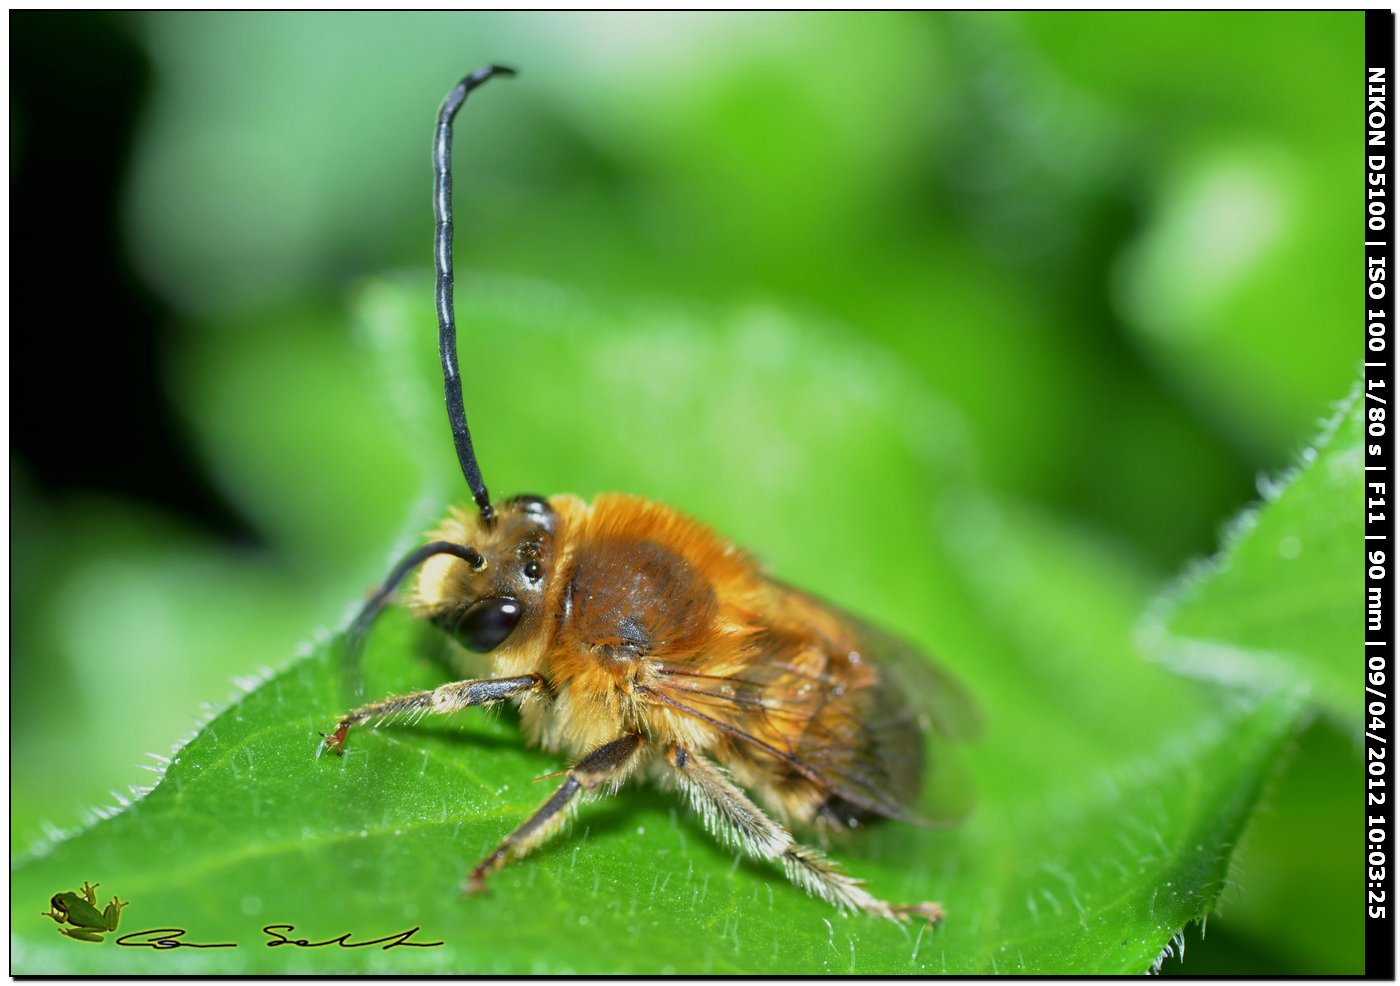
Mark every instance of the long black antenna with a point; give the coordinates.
(442, 258)
(409, 562)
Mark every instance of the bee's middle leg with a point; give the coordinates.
(733, 818)
(607, 764)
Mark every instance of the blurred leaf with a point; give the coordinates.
(1216, 270)
(1277, 608)
(1237, 73)
(252, 187)
(288, 424)
(268, 168)
(896, 170)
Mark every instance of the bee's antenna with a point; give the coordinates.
(442, 258)
(410, 561)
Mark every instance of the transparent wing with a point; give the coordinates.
(944, 706)
(915, 714)
(852, 708)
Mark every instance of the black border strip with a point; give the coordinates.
(1378, 396)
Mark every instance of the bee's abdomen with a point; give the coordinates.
(632, 597)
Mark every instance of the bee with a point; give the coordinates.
(639, 643)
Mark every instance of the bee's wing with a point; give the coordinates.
(919, 683)
(840, 702)
(913, 715)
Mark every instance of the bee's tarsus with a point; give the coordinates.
(335, 742)
(930, 911)
(475, 886)
(476, 883)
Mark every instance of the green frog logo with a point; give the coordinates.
(78, 911)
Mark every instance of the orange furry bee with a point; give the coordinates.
(639, 642)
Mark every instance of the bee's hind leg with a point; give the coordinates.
(606, 765)
(730, 816)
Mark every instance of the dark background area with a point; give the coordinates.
(82, 317)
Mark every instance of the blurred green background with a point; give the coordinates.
(1117, 250)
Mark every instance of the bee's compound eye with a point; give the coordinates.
(487, 623)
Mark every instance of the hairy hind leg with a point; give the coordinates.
(730, 816)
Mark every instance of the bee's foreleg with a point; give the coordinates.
(730, 816)
(606, 765)
(438, 701)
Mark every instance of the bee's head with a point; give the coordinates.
(481, 596)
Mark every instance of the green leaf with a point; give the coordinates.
(1310, 805)
(1110, 791)
(1277, 608)
(125, 610)
(250, 828)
